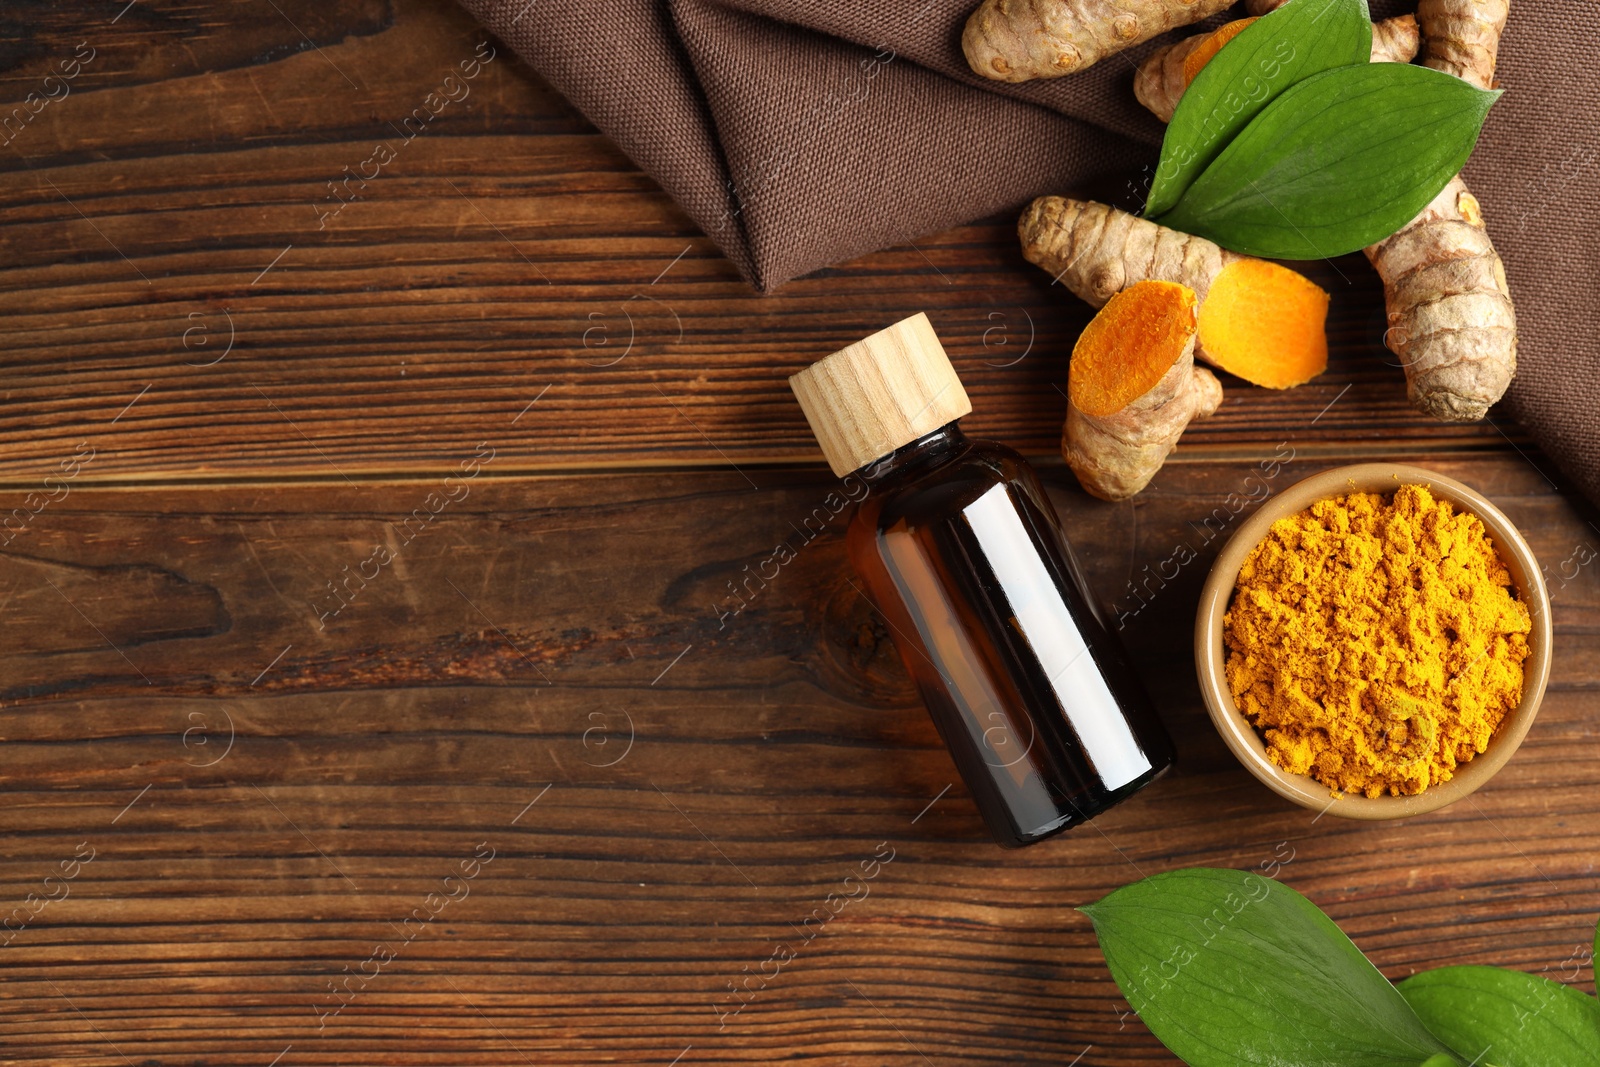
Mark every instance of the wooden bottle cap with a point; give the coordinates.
(879, 394)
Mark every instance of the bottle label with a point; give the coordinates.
(1045, 621)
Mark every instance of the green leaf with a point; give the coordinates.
(1507, 1018)
(1229, 968)
(1339, 161)
(1301, 38)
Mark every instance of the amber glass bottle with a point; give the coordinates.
(963, 554)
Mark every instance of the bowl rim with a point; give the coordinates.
(1217, 594)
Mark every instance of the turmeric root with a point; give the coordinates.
(1133, 387)
(1167, 72)
(1257, 320)
(1450, 316)
(1019, 40)
(1396, 40)
(1210, 45)
(1463, 37)
(1451, 321)
(1164, 75)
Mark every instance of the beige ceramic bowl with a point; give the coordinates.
(1242, 738)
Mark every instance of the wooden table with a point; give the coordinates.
(521, 787)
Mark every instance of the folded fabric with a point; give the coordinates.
(802, 133)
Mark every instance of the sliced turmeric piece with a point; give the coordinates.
(1258, 320)
(1266, 324)
(1209, 46)
(1127, 348)
(1133, 388)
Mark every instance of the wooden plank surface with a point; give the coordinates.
(261, 770)
(269, 792)
(171, 243)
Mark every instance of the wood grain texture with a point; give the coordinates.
(181, 201)
(699, 782)
(260, 752)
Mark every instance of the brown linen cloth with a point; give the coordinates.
(801, 133)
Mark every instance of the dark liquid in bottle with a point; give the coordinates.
(1034, 696)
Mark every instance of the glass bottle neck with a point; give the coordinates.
(917, 457)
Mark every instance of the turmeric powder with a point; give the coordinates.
(1377, 645)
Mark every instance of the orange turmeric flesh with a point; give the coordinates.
(1206, 49)
(1266, 324)
(1130, 346)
